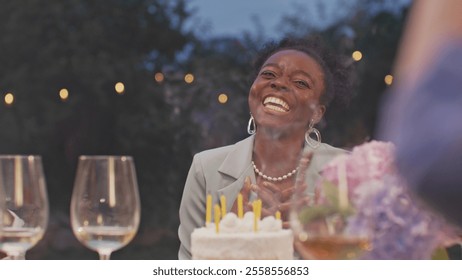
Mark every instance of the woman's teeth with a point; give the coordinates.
(276, 104)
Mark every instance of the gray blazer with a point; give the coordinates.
(222, 171)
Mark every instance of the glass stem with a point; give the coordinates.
(105, 256)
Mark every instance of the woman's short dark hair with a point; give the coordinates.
(336, 74)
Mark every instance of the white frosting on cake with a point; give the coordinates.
(238, 240)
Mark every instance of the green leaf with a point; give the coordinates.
(331, 207)
(440, 254)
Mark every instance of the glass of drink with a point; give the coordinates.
(322, 225)
(23, 202)
(105, 204)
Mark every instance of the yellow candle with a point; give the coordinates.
(223, 205)
(256, 216)
(259, 203)
(217, 218)
(277, 215)
(240, 206)
(208, 209)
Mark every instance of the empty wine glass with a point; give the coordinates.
(325, 227)
(2, 211)
(105, 205)
(25, 202)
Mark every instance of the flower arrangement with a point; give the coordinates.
(402, 227)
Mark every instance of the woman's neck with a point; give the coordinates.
(277, 155)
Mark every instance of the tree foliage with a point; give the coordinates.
(86, 47)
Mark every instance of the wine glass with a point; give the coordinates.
(105, 204)
(2, 211)
(25, 212)
(324, 226)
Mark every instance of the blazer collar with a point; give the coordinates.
(238, 160)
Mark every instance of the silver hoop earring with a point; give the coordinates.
(313, 143)
(251, 127)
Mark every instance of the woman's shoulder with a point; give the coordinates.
(214, 152)
(325, 153)
(331, 150)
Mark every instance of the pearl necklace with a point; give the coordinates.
(274, 179)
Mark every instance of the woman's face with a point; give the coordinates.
(286, 92)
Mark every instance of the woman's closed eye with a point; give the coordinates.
(302, 84)
(267, 74)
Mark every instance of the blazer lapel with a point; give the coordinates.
(237, 167)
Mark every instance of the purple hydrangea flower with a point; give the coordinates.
(400, 226)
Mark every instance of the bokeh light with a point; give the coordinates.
(64, 94)
(119, 88)
(223, 98)
(388, 80)
(159, 77)
(357, 55)
(9, 98)
(189, 78)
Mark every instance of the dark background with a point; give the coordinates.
(87, 46)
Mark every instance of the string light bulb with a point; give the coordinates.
(357, 55)
(189, 78)
(222, 98)
(9, 99)
(120, 88)
(388, 80)
(159, 77)
(63, 94)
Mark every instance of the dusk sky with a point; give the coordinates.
(233, 17)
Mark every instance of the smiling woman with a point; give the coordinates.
(295, 81)
(285, 95)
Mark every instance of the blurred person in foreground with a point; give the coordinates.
(295, 81)
(423, 112)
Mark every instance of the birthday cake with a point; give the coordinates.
(243, 239)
